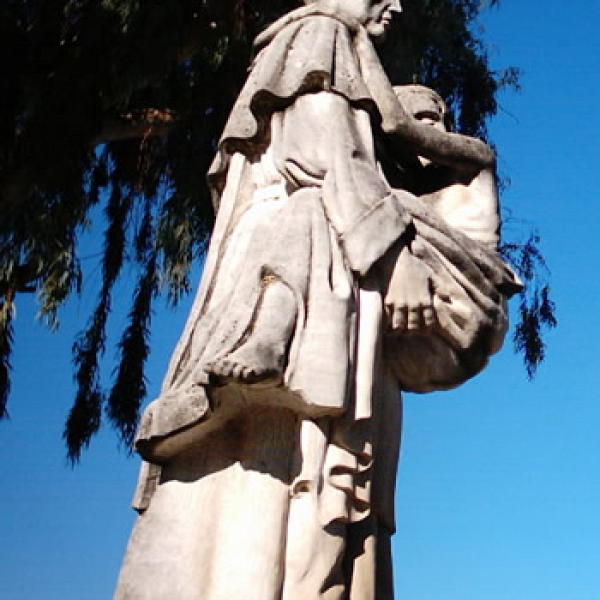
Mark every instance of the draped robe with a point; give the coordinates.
(285, 490)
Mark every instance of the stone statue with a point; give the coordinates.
(270, 455)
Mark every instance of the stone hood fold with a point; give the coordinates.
(306, 51)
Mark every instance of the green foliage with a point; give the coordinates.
(129, 388)
(536, 309)
(117, 104)
(436, 43)
(6, 338)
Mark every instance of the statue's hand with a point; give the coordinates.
(409, 296)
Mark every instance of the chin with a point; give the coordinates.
(377, 32)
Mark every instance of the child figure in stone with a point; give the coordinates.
(453, 202)
(467, 202)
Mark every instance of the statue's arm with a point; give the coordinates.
(465, 154)
(323, 141)
(407, 287)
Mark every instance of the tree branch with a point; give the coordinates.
(150, 122)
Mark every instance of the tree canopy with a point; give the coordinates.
(116, 105)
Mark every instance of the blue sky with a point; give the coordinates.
(499, 481)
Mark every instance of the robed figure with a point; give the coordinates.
(270, 456)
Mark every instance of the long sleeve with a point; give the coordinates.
(323, 141)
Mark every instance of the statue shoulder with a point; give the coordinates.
(307, 17)
(313, 52)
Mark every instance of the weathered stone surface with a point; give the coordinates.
(272, 450)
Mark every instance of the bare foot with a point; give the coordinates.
(252, 363)
(262, 356)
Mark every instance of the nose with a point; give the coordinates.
(396, 6)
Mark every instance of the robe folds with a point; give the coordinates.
(285, 490)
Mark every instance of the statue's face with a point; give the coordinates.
(380, 16)
(424, 105)
(429, 110)
(374, 15)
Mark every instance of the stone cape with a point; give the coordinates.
(306, 51)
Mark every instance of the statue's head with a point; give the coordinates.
(425, 105)
(374, 15)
